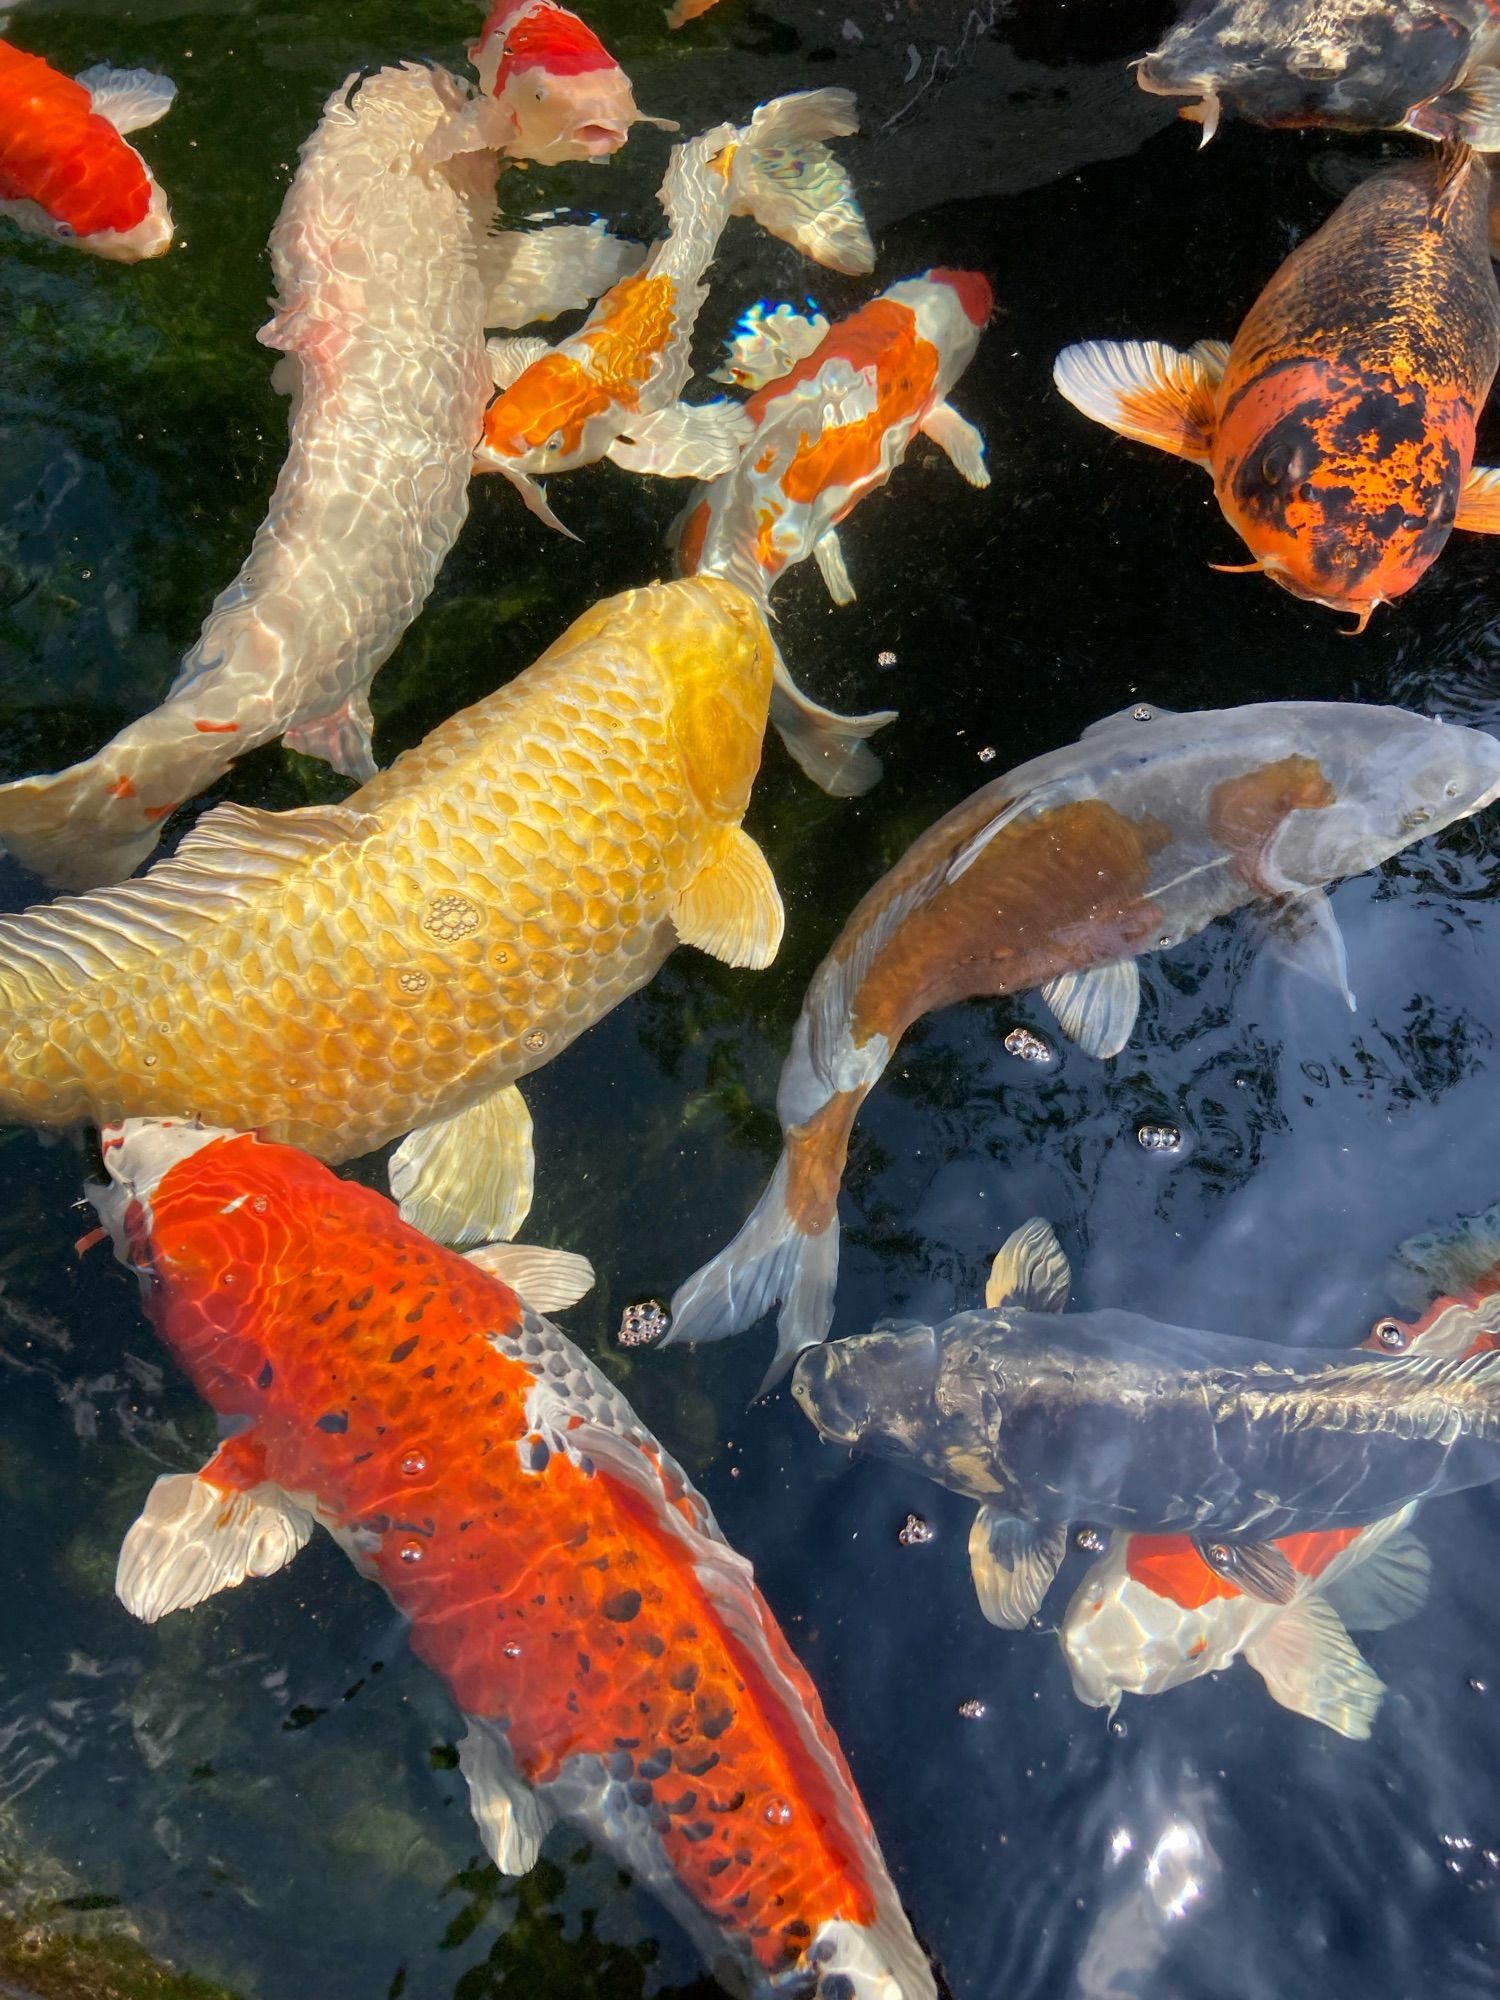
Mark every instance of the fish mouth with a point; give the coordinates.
(1360, 609)
(815, 1391)
(600, 140)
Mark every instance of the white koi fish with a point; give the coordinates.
(613, 389)
(386, 278)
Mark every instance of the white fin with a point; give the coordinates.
(513, 1822)
(768, 344)
(956, 436)
(193, 1538)
(684, 441)
(732, 908)
(479, 125)
(1479, 502)
(511, 355)
(1311, 1666)
(1030, 1270)
(226, 860)
(1303, 934)
(1143, 390)
(1097, 1009)
(1471, 109)
(547, 1280)
(827, 747)
(1213, 356)
(1384, 1589)
(786, 178)
(534, 496)
(1013, 1563)
(128, 98)
(535, 274)
(828, 554)
(468, 1178)
(341, 739)
(769, 1263)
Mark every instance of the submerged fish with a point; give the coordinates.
(385, 364)
(1059, 875)
(339, 975)
(614, 387)
(614, 1662)
(1403, 65)
(1461, 1266)
(1110, 1418)
(1339, 426)
(829, 430)
(65, 169)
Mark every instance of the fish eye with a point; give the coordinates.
(65, 231)
(1276, 464)
(555, 442)
(1452, 789)
(1390, 1334)
(541, 93)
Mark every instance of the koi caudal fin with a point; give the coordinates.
(785, 178)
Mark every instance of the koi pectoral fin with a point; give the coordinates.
(1257, 1568)
(828, 554)
(535, 274)
(1470, 112)
(830, 748)
(513, 1822)
(468, 1178)
(546, 1279)
(194, 1537)
(342, 739)
(1030, 1270)
(1013, 1564)
(1386, 1589)
(1479, 503)
(766, 345)
(1097, 1009)
(1303, 934)
(732, 908)
(1311, 1666)
(958, 438)
(129, 98)
(684, 441)
(510, 355)
(1144, 390)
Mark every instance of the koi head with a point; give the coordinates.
(1149, 1615)
(1302, 62)
(149, 237)
(875, 1390)
(562, 94)
(536, 426)
(1343, 487)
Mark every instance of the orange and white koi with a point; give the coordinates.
(65, 170)
(386, 278)
(1339, 426)
(614, 388)
(614, 1663)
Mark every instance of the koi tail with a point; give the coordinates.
(830, 748)
(785, 178)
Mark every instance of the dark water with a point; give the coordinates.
(264, 1786)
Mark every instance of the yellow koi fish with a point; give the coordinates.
(340, 975)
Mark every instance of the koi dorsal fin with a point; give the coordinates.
(1030, 1270)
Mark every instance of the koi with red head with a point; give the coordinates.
(1339, 426)
(555, 92)
(613, 1659)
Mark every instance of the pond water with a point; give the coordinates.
(265, 1787)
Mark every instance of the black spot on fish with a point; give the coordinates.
(731, 1805)
(698, 1764)
(715, 1721)
(266, 1376)
(699, 1829)
(683, 1679)
(650, 1645)
(657, 1764)
(361, 1299)
(336, 1421)
(584, 1663)
(405, 1347)
(837, 1986)
(639, 1792)
(535, 1454)
(717, 1867)
(621, 1605)
(322, 1318)
(1379, 421)
(619, 1764)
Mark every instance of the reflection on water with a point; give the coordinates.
(267, 1784)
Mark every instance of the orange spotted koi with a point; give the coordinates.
(613, 1661)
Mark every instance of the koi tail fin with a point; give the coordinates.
(830, 748)
(785, 178)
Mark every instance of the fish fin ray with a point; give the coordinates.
(1097, 1009)
(1013, 1564)
(511, 354)
(732, 908)
(468, 1178)
(959, 440)
(828, 554)
(1385, 1589)
(684, 441)
(535, 274)
(129, 98)
(547, 1280)
(788, 181)
(1144, 390)
(513, 1820)
(342, 740)
(768, 344)
(194, 1537)
(1030, 1270)
(1471, 110)
(1302, 933)
(1479, 502)
(1311, 1666)
(827, 747)
(1212, 356)
(1259, 1569)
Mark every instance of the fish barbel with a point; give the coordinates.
(66, 172)
(336, 976)
(614, 1662)
(1339, 425)
(1060, 875)
(386, 278)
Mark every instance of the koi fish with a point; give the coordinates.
(1339, 426)
(828, 430)
(364, 512)
(614, 388)
(1059, 875)
(1111, 1418)
(336, 976)
(1459, 1271)
(615, 1664)
(549, 90)
(1424, 66)
(683, 11)
(65, 169)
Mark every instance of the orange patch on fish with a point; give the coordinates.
(555, 398)
(57, 151)
(631, 335)
(815, 1166)
(1245, 813)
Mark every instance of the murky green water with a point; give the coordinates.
(264, 1788)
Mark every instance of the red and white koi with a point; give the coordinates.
(613, 389)
(65, 170)
(614, 1663)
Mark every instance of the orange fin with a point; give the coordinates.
(1479, 503)
(1146, 391)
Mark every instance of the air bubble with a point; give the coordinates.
(987, 754)
(973, 1710)
(915, 1532)
(643, 1323)
(414, 1464)
(260, 1204)
(535, 1039)
(411, 1552)
(1143, 713)
(885, 657)
(776, 1812)
(511, 1649)
(1028, 1045)
(1159, 1138)
(1090, 1541)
